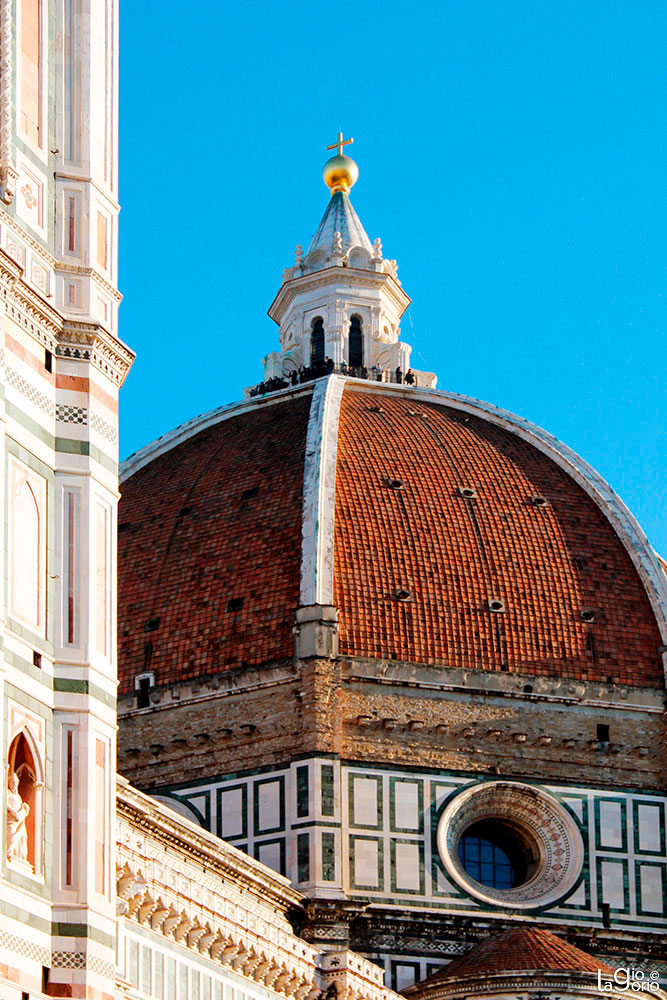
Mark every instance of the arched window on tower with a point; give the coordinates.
(356, 348)
(317, 342)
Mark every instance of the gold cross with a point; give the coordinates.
(340, 143)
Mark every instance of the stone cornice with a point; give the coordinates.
(557, 690)
(39, 319)
(229, 684)
(91, 341)
(329, 276)
(185, 884)
(204, 848)
(82, 340)
(89, 272)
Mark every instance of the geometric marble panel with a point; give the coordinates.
(407, 860)
(365, 801)
(649, 827)
(613, 888)
(406, 805)
(651, 882)
(232, 819)
(611, 819)
(366, 862)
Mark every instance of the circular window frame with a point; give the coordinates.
(537, 816)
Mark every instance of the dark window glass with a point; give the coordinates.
(317, 343)
(356, 350)
(492, 854)
(144, 693)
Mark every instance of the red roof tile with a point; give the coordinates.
(453, 554)
(209, 569)
(209, 524)
(519, 949)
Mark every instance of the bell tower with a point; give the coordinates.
(342, 299)
(61, 368)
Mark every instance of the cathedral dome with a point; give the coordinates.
(445, 532)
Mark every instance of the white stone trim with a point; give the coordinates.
(319, 493)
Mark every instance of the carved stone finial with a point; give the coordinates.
(298, 255)
(338, 242)
(377, 248)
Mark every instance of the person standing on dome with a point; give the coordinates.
(409, 378)
(399, 375)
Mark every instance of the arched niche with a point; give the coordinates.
(359, 258)
(25, 778)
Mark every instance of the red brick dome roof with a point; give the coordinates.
(456, 542)
(519, 949)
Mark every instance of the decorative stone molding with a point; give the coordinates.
(555, 690)
(549, 832)
(25, 306)
(92, 342)
(184, 883)
(188, 429)
(8, 174)
(90, 272)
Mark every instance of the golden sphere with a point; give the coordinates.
(340, 173)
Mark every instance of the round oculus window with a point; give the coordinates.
(510, 844)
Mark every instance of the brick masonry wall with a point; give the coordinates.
(211, 737)
(521, 737)
(319, 707)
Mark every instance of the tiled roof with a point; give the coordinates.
(214, 520)
(210, 549)
(519, 949)
(340, 217)
(452, 554)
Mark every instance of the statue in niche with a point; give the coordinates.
(17, 814)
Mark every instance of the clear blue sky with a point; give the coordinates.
(512, 158)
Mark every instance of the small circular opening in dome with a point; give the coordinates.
(468, 492)
(588, 615)
(539, 501)
(496, 605)
(494, 853)
(394, 484)
(403, 595)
